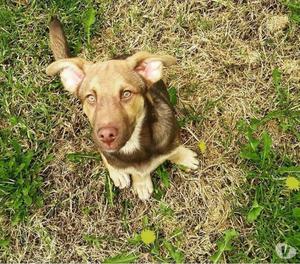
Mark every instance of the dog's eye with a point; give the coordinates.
(126, 94)
(91, 99)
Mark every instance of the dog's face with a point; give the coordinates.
(113, 100)
(112, 92)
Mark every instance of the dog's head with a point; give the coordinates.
(112, 92)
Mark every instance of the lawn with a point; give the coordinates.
(236, 88)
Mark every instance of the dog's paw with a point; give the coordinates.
(120, 179)
(188, 159)
(144, 188)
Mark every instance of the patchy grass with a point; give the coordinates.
(269, 213)
(238, 60)
(20, 184)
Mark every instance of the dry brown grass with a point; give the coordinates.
(226, 52)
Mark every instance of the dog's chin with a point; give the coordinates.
(109, 149)
(112, 148)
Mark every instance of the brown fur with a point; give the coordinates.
(110, 110)
(59, 44)
(159, 134)
(144, 118)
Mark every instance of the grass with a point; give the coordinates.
(236, 91)
(20, 183)
(272, 205)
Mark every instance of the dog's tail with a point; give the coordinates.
(58, 41)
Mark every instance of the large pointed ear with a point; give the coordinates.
(72, 72)
(150, 66)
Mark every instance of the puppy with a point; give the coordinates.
(127, 104)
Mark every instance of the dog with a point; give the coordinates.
(128, 107)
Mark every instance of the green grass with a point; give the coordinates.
(294, 9)
(163, 248)
(20, 183)
(270, 210)
(27, 102)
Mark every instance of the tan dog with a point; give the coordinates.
(128, 107)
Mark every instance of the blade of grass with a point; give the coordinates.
(89, 18)
(122, 258)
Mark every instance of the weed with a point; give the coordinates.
(224, 244)
(110, 190)
(89, 18)
(163, 174)
(122, 258)
(281, 93)
(162, 248)
(202, 146)
(271, 212)
(148, 236)
(294, 8)
(204, 24)
(161, 182)
(176, 255)
(126, 205)
(289, 119)
(190, 115)
(4, 240)
(92, 240)
(165, 210)
(254, 212)
(20, 182)
(173, 95)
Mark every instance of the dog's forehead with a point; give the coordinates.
(111, 69)
(110, 74)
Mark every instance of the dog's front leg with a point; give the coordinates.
(142, 185)
(186, 157)
(119, 177)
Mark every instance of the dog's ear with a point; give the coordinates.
(72, 72)
(150, 66)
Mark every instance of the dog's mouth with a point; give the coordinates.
(111, 147)
(108, 147)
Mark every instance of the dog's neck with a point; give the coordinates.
(155, 132)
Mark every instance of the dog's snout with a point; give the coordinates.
(107, 134)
